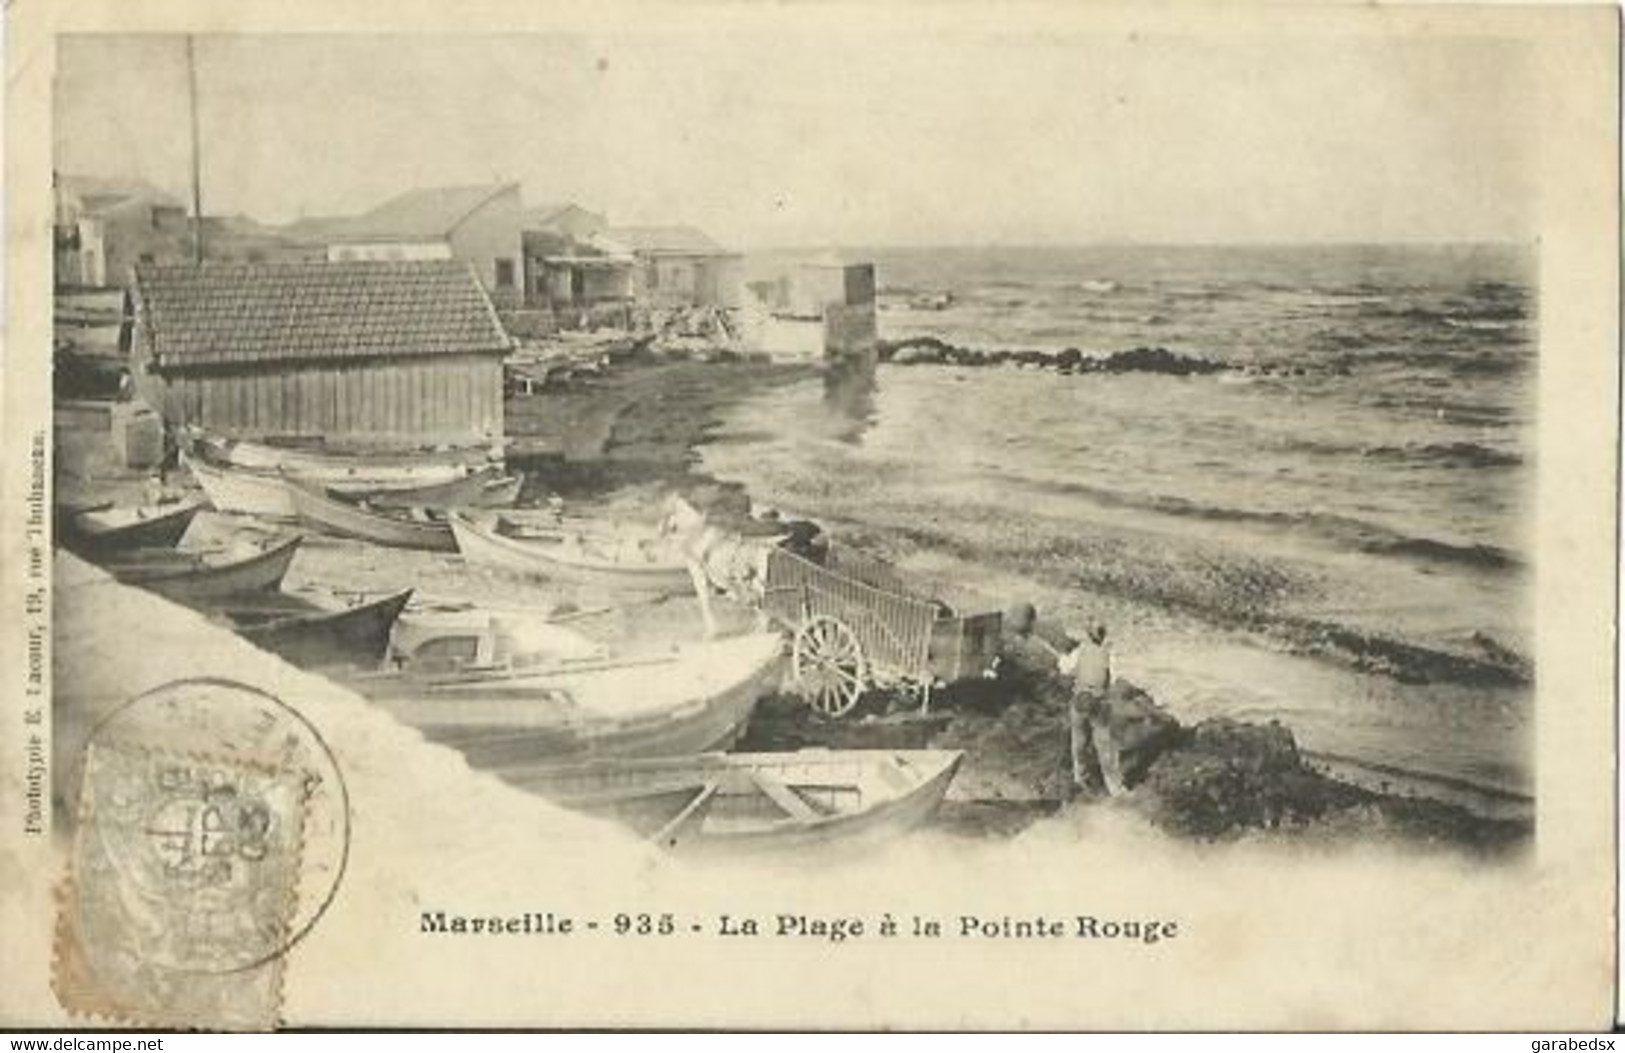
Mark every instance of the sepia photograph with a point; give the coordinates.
(898, 518)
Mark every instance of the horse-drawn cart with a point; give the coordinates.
(856, 625)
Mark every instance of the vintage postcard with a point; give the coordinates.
(746, 515)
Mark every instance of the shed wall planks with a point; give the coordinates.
(456, 399)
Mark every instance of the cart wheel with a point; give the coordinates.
(828, 665)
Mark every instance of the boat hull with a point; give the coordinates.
(484, 489)
(481, 544)
(200, 583)
(340, 471)
(498, 724)
(649, 795)
(343, 519)
(242, 491)
(95, 533)
(357, 636)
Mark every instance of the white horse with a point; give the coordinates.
(718, 560)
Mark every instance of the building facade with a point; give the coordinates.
(477, 225)
(680, 267)
(363, 354)
(104, 227)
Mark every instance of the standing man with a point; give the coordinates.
(1085, 669)
(1090, 667)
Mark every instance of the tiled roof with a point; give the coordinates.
(673, 241)
(542, 217)
(433, 212)
(227, 314)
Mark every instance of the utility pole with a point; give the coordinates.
(197, 178)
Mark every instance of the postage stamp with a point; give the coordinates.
(210, 836)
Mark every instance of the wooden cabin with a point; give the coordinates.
(364, 354)
(681, 267)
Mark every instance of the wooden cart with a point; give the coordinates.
(856, 625)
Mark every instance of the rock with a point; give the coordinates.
(1229, 776)
(1020, 752)
(1158, 360)
(1128, 732)
(919, 350)
(1069, 359)
(916, 355)
(1258, 749)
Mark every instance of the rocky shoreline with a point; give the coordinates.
(626, 433)
(930, 350)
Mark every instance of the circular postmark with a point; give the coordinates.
(213, 827)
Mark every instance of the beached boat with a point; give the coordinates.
(193, 578)
(96, 531)
(631, 565)
(482, 638)
(344, 471)
(241, 490)
(488, 488)
(399, 529)
(695, 700)
(754, 802)
(312, 637)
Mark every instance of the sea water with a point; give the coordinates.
(1334, 532)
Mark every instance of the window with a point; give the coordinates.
(504, 274)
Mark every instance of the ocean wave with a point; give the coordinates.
(1434, 454)
(1475, 414)
(1447, 454)
(1474, 362)
(1238, 593)
(1454, 314)
(1481, 325)
(1343, 531)
(1403, 660)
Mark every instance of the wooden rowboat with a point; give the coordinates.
(345, 471)
(240, 490)
(756, 802)
(193, 579)
(695, 700)
(482, 639)
(489, 488)
(334, 515)
(98, 531)
(628, 565)
(357, 635)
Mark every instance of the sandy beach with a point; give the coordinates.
(616, 443)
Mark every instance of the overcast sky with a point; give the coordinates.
(817, 139)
